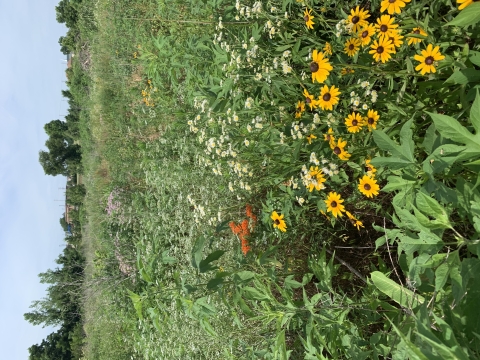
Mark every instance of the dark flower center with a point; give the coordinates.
(354, 122)
(383, 28)
(365, 34)
(351, 47)
(367, 168)
(277, 222)
(306, 18)
(367, 187)
(337, 150)
(314, 66)
(391, 1)
(371, 121)
(355, 19)
(380, 49)
(429, 60)
(308, 100)
(416, 31)
(327, 97)
(333, 204)
(328, 137)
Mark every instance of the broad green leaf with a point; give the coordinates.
(137, 303)
(397, 183)
(385, 143)
(253, 294)
(441, 276)
(392, 162)
(396, 292)
(474, 57)
(205, 266)
(463, 77)
(452, 129)
(291, 283)
(214, 283)
(406, 138)
(413, 350)
(468, 16)
(432, 207)
(197, 251)
(475, 113)
(244, 275)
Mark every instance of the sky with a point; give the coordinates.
(32, 75)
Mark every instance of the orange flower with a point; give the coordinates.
(249, 212)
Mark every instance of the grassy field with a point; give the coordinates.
(239, 208)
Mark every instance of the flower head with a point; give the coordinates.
(339, 149)
(309, 99)
(382, 49)
(369, 168)
(396, 39)
(385, 25)
(278, 221)
(330, 138)
(368, 186)
(371, 119)
(310, 138)
(352, 46)
(358, 18)
(393, 6)
(320, 67)
(327, 49)
(328, 97)
(417, 31)
(316, 179)
(334, 204)
(354, 122)
(355, 222)
(365, 35)
(300, 109)
(307, 16)
(428, 58)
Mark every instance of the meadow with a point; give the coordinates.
(280, 179)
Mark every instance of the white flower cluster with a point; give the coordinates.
(198, 210)
(308, 180)
(298, 130)
(343, 26)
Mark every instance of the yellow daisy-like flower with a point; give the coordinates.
(382, 49)
(354, 122)
(396, 39)
(385, 25)
(358, 18)
(300, 109)
(310, 138)
(339, 149)
(327, 49)
(369, 168)
(278, 221)
(352, 46)
(316, 179)
(464, 3)
(334, 204)
(368, 186)
(346, 71)
(309, 99)
(328, 98)
(371, 119)
(365, 35)
(320, 67)
(393, 6)
(417, 31)
(307, 16)
(355, 222)
(330, 138)
(428, 58)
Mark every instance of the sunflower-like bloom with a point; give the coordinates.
(307, 16)
(385, 25)
(368, 186)
(354, 122)
(393, 6)
(464, 3)
(370, 169)
(310, 138)
(352, 46)
(428, 58)
(320, 67)
(365, 35)
(330, 138)
(382, 49)
(358, 18)
(327, 49)
(355, 222)
(334, 204)
(309, 99)
(278, 221)
(316, 179)
(371, 119)
(300, 109)
(339, 149)
(328, 97)
(396, 39)
(417, 31)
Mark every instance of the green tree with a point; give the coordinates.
(67, 14)
(62, 158)
(76, 194)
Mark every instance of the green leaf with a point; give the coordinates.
(205, 266)
(214, 283)
(406, 138)
(474, 57)
(396, 292)
(475, 113)
(291, 283)
(253, 294)
(414, 352)
(166, 259)
(393, 162)
(244, 276)
(468, 16)
(432, 207)
(385, 143)
(197, 251)
(137, 303)
(452, 129)
(463, 77)
(441, 276)
(397, 183)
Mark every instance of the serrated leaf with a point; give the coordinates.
(475, 113)
(396, 292)
(452, 129)
(392, 162)
(397, 183)
(432, 207)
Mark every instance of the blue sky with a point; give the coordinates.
(32, 76)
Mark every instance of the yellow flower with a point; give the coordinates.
(385, 25)
(428, 58)
(316, 179)
(365, 35)
(382, 49)
(320, 67)
(310, 138)
(309, 99)
(354, 122)
(334, 204)
(300, 109)
(330, 138)
(396, 39)
(393, 6)
(355, 222)
(358, 18)
(278, 221)
(368, 186)
(464, 3)
(135, 55)
(352, 46)
(371, 119)
(369, 168)
(328, 98)
(339, 149)
(307, 16)
(327, 49)
(417, 31)
(346, 71)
